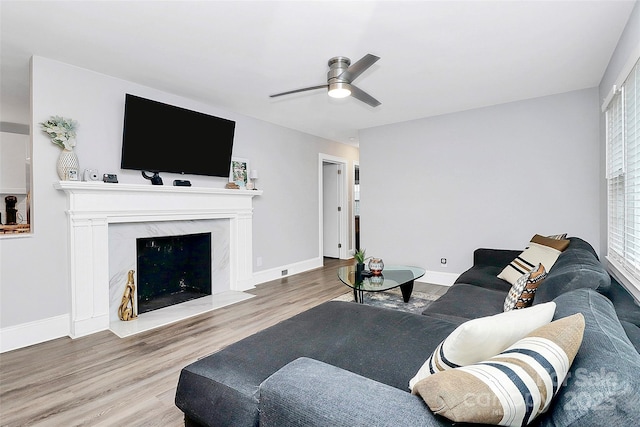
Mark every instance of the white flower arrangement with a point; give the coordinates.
(62, 131)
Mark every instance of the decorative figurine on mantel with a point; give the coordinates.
(126, 311)
(253, 176)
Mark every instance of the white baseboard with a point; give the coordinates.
(433, 277)
(26, 334)
(295, 268)
(84, 327)
(439, 278)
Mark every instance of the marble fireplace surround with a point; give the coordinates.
(93, 206)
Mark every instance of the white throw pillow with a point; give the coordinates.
(482, 338)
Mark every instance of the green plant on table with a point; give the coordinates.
(360, 256)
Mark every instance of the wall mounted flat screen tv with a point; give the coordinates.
(159, 137)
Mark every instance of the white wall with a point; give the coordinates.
(34, 270)
(629, 42)
(491, 177)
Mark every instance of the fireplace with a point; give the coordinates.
(102, 219)
(172, 270)
(162, 243)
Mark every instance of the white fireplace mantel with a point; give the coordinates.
(92, 206)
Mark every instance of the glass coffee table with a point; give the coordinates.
(392, 276)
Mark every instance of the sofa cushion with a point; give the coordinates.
(222, 389)
(462, 302)
(523, 291)
(310, 393)
(603, 385)
(485, 276)
(577, 267)
(541, 250)
(479, 339)
(513, 387)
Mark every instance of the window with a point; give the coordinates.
(622, 115)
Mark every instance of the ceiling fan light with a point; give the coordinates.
(339, 90)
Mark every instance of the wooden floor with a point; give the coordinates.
(103, 380)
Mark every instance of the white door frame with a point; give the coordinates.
(343, 191)
(353, 207)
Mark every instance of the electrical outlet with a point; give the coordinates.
(443, 262)
(259, 261)
(285, 272)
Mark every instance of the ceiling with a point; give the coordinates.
(437, 57)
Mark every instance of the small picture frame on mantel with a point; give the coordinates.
(72, 174)
(239, 171)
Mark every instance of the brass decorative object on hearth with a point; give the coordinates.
(127, 311)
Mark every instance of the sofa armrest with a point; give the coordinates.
(494, 257)
(312, 393)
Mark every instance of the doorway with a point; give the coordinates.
(330, 210)
(334, 209)
(356, 205)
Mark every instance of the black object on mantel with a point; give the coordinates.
(110, 177)
(182, 183)
(155, 179)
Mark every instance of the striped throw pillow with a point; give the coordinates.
(541, 250)
(521, 294)
(484, 337)
(558, 236)
(512, 388)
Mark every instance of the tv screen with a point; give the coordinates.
(158, 137)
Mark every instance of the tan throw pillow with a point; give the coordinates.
(513, 387)
(541, 250)
(521, 294)
(479, 339)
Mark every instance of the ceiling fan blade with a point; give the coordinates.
(299, 90)
(363, 96)
(358, 67)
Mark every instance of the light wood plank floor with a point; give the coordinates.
(103, 380)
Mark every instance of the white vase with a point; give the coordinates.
(66, 160)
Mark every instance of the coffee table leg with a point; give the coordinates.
(406, 289)
(358, 295)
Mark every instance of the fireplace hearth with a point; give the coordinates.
(172, 270)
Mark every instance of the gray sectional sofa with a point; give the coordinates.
(346, 364)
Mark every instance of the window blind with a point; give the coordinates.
(615, 176)
(622, 117)
(632, 166)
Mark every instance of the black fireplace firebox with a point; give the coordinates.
(172, 269)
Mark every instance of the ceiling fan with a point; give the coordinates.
(341, 74)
